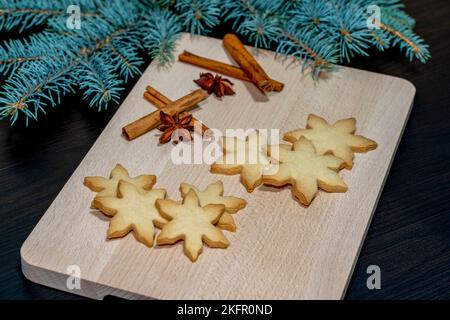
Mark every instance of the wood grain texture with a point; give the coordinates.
(281, 249)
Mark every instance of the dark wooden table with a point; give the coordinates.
(409, 238)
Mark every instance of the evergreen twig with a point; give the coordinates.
(101, 57)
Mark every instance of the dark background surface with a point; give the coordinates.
(409, 238)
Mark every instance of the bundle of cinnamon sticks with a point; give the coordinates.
(248, 70)
(161, 101)
(152, 120)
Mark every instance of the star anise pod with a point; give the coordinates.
(177, 126)
(220, 86)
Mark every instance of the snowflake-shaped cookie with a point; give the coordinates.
(108, 187)
(132, 210)
(301, 167)
(191, 223)
(245, 157)
(338, 139)
(213, 194)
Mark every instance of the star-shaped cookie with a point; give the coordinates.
(301, 167)
(338, 139)
(192, 223)
(108, 187)
(132, 210)
(213, 194)
(245, 157)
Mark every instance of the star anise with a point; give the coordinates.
(177, 127)
(220, 86)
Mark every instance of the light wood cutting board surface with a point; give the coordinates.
(281, 249)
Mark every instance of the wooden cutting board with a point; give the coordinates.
(281, 249)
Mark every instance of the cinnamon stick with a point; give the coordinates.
(154, 101)
(246, 61)
(222, 68)
(152, 120)
(158, 95)
(160, 101)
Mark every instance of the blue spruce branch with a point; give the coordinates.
(198, 16)
(102, 56)
(35, 86)
(100, 84)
